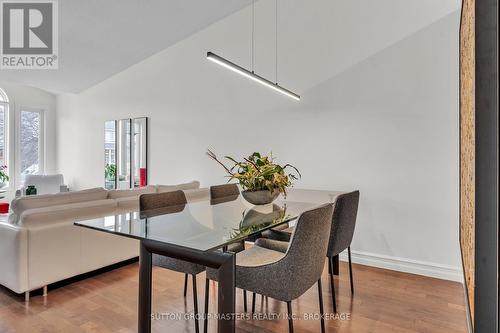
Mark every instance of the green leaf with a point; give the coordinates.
(232, 159)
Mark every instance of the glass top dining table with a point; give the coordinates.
(195, 232)
(203, 225)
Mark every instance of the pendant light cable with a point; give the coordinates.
(253, 33)
(250, 74)
(276, 37)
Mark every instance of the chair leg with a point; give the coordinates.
(244, 300)
(334, 301)
(290, 318)
(321, 309)
(335, 265)
(195, 300)
(185, 284)
(205, 322)
(350, 269)
(253, 302)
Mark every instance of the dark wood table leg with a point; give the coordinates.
(227, 288)
(335, 267)
(145, 267)
(225, 262)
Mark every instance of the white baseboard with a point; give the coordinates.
(406, 265)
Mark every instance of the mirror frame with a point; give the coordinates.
(133, 152)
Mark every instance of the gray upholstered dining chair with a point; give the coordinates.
(343, 223)
(224, 193)
(152, 201)
(286, 276)
(152, 204)
(221, 194)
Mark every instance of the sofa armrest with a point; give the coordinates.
(13, 257)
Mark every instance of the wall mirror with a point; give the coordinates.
(123, 174)
(125, 153)
(139, 152)
(110, 154)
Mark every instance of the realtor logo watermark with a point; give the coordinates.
(29, 34)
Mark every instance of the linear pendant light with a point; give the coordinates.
(250, 74)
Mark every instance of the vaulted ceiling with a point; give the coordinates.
(100, 38)
(317, 39)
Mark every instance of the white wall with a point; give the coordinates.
(28, 97)
(379, 113)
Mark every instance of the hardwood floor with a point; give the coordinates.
(384, 301)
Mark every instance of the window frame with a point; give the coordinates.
(41, 144)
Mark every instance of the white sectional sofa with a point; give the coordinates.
(39, 244)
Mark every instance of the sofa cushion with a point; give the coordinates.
(128, 204)
(19, 205)
(115, 194)
(197, 194)
(187, 186)
(67, 213)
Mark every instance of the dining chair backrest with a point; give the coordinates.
(304, 260)
(152, 201)
(343, 222)
(223, 193)
(226, 190)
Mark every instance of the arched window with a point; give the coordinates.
(4, 112)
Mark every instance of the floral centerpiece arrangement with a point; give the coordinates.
(261, 178)
(4, 177)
